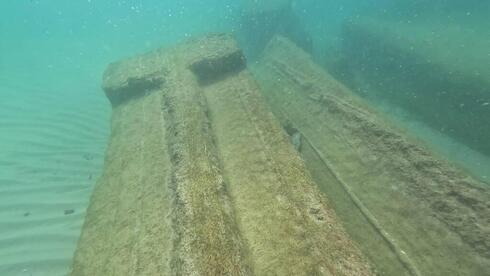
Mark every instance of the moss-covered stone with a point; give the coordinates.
(411, 212)
(200, 178)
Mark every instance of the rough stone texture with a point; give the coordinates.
(134, 77)
(215, 65)
(436, 70)
(433, 218)
(209, 59)
(200, 179)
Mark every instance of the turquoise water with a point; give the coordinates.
(54, 117)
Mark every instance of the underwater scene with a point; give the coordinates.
(244, 137)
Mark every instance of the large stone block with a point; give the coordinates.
(436, 70)
(200, 178)
(411, 212)
(209, 58)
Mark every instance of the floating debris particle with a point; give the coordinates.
(69, 211)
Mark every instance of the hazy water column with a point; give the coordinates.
(54, 118)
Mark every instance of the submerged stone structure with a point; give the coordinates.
(200, 178)
(260, 21)
(411, 212)
(435, 69)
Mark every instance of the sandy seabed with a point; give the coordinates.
(52, 143)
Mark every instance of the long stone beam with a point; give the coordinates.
(410, 211)
(200, 179)
(436, 71)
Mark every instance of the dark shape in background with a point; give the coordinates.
(260, 22)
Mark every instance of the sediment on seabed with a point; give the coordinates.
(200, 178)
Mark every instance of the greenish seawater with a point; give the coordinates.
(55, 118)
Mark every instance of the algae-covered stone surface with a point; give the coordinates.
(411, 212)
(200, 178)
